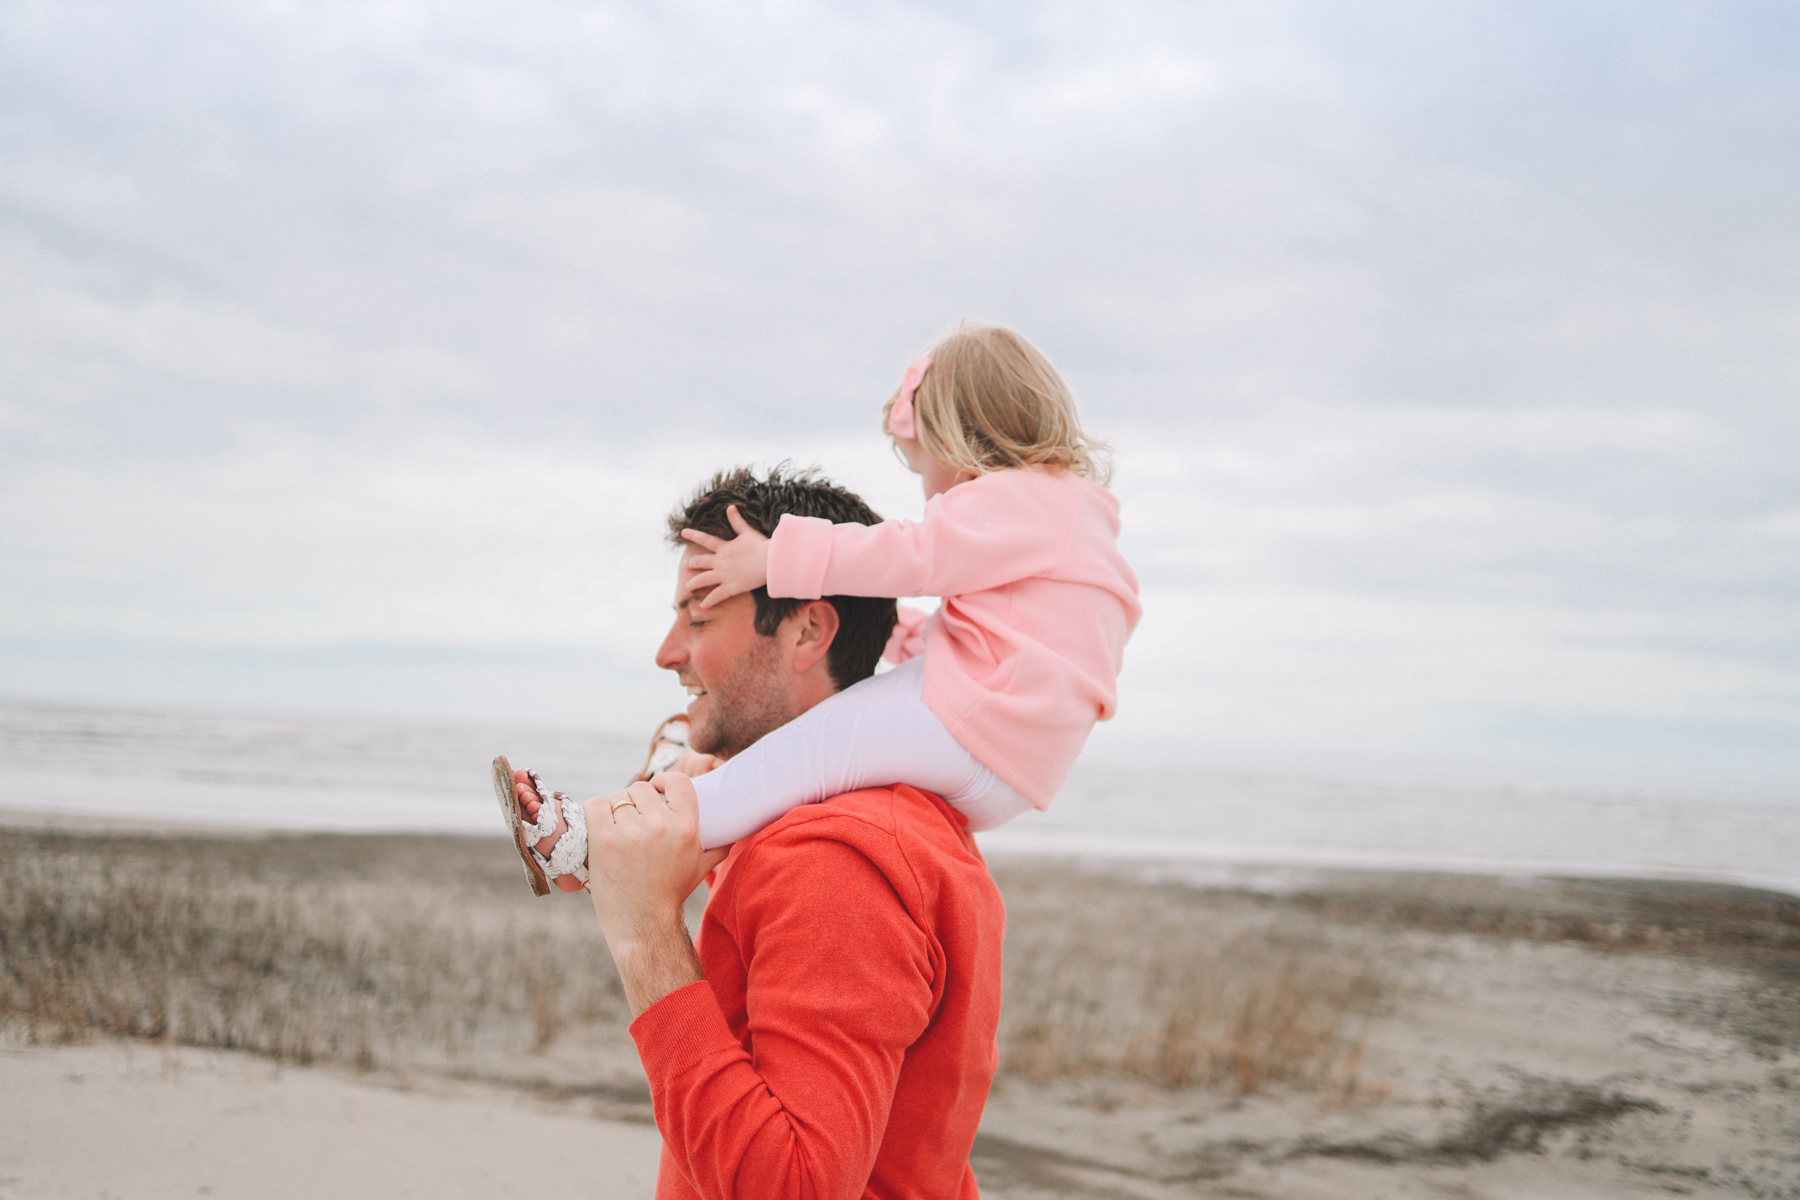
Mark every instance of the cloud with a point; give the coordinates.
(1450, 352)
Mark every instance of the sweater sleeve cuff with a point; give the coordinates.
(681, 1031)
(799, 553)
(906, 641)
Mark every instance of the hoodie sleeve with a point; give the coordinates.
(840, 987)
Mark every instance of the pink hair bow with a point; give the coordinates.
(900, 417)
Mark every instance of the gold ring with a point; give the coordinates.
(626, 803)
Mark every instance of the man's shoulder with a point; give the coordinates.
(913, 838)
(897, 813)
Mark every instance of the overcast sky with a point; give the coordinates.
(351, 353)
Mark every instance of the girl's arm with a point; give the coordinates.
(983, 534)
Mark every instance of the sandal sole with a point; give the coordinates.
(509, 807)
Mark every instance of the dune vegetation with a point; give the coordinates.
(429, 953)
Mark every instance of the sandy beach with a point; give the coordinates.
(351, 1016)
(158, 1122)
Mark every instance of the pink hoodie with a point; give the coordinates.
(1024, 655)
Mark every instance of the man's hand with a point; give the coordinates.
(644, 860)
(729, 568)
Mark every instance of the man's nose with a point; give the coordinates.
(672, 654)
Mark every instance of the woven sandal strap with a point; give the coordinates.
(546, 818)
(569, 855)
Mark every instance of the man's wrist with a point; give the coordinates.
(653, 962)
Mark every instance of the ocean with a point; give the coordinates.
(82, 767)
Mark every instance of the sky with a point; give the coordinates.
(351, 354)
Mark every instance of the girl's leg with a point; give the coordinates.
(991, 804)
(875, 733)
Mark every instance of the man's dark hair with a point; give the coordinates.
(864, 622)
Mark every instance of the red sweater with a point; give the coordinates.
(842, 1042)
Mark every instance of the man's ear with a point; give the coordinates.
(812, 628)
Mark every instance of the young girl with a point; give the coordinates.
(995, 693)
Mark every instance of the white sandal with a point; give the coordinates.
(569, 855)
(667, 745)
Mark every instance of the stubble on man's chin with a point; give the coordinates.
(746, 704)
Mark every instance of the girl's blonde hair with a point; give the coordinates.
(991, 402)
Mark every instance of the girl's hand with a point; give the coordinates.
(729, 568)
(695, 763)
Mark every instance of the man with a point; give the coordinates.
(831, 1030)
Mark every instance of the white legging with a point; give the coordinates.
(874, 733)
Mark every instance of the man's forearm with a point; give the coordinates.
(654, 963)
(644, 861)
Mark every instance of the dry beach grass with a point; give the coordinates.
(426, 952)
(369, 952)
(1139, 983)
(1339, 1035)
